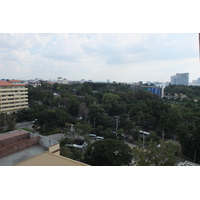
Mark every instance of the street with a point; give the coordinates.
(27, 125)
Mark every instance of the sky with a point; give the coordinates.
(121, 57)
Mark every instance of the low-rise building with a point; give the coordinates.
(77, 143)
(23, 148)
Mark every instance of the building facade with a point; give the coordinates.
(13, 96)
(180, 79)
(24, 148)
(60, 80)
(153, 89)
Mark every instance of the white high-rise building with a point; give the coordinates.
(180, 79)
(60, 80)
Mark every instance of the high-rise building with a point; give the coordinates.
(180, 79)
(13, 96)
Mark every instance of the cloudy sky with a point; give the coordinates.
(98, 57)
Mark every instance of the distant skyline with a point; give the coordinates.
(118, 57)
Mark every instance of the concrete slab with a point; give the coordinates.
(22, 155)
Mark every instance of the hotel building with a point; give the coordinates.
(13, 96)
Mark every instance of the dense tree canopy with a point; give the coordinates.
(156, 154)
(108, 152)
(104, 107)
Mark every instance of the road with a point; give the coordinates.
(28, 125)
(130, 144)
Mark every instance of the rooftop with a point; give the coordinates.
(6, 83)
(22, 155)
(50, 159)
(15, 81)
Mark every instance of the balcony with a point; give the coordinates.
(12, 89)
(6, 109)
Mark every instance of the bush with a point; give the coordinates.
(49, 132)
(29, 130)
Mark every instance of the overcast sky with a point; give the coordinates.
(98, 57)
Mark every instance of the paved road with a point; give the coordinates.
(28, 125)
(130, 144)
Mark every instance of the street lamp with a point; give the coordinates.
(194, 155)
(143, 140)
(163, 134)
(94, 122)
(116, 124)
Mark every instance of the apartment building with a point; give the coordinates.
(13, 96)
(60, 80)
(180, 79)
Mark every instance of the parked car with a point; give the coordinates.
(99, 138)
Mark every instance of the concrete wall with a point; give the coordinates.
(46, 142)
(18, 146)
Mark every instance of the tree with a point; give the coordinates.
(156, 154)
(110, 103)
(108, 152)
(10, 122)
(73, 105)
(154, 137)
(2, 121)
(97, 116)
(129, 126)
(82, 129)
(65, 151)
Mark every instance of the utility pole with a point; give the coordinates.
(143, 140)
(94, 122)
(194, 155)
(163, 134)
(116, 124)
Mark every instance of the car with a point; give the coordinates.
(99, 138)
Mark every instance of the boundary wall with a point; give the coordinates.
(18, 146)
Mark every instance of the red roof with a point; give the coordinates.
(14, 81)
(5, 83)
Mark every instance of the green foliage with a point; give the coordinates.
(99, 103)
(156, 154)
(189, 91)
(49, 131)
(2, 121)
(83, 129)
(108, 152)
(73, 105)
(29, 130)
(110, 102)
(65, 151)
(153, 137)
(7, 122)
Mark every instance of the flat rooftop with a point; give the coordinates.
(22, 155)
